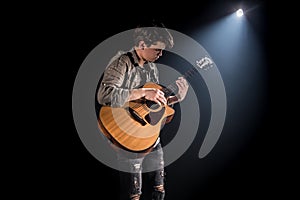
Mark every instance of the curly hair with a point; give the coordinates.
(151, 35)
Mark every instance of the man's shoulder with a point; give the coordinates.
(120, 56)
(125, 56)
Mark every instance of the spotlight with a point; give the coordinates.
(239, 12)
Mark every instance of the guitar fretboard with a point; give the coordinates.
(172, 88)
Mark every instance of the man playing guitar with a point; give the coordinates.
(135, 107)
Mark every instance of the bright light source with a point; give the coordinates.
(239, 12)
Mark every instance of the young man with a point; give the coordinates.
(123, 82)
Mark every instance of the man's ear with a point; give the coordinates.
(142, 45)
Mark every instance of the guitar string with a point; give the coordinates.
(168, 90)
(172, 87)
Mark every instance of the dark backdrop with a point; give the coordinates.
(238, 167)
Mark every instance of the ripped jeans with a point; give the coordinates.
(134, 165)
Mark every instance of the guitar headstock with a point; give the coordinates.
(204, 63)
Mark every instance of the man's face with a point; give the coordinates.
(153, 52)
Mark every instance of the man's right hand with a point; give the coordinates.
(155, 95)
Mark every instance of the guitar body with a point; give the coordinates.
(137, 125)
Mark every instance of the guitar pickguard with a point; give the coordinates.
(154, 117)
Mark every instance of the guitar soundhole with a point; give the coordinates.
(152, 105)
(137, 117)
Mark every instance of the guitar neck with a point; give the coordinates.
(173, 88)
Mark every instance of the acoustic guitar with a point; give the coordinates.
(136, 126)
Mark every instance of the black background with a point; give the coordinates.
(65, 169)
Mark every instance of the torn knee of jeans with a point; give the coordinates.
(159, 188)
(136, 183)
(135, 197)
(136, 167)
(162, 163)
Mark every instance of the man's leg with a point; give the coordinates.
(131, 179)
(155, 160)
(158, 188)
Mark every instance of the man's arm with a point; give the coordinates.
(110, 90)
(151, 94)
(183, 86)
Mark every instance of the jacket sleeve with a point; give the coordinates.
(154, 73)
(110, 91)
